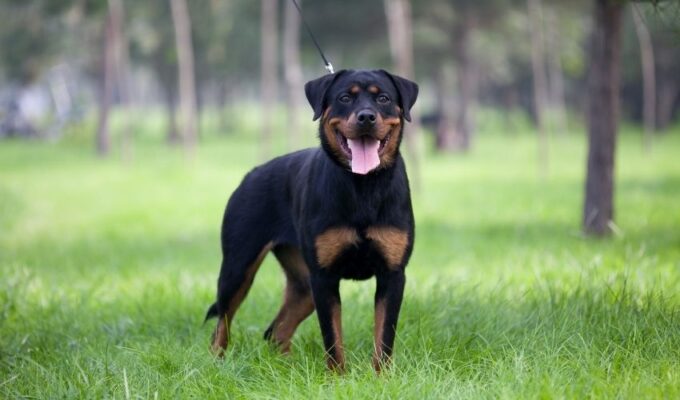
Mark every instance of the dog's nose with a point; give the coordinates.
(366, 118)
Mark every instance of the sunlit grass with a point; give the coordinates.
(107, 267)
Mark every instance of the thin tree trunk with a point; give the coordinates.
(122, 76)
(188, 121)
(170, 97)
(466, 80)
(293, 72)
(268, 66)
(446, 123)
(648, 77)
(540, 79)
(167, 75)
(400, 34)
(510, 100)
(221, 106)
(603, 94)
(669, 90)
(106, 88)
(555, 73)
(467, 77)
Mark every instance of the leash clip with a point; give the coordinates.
(328, 65)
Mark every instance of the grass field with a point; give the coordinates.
(107, 268)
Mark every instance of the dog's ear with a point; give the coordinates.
(316, 91)
(408, 93)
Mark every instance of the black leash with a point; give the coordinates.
(328, 65)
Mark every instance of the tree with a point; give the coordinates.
(187, 86)
(292, 69)
(268, 72)
(400, 35)
(120, 68)
(154, 46)
(539, 76)
(648, 76)
(216, 43)
(603, 94)
(106, 82)
(467, 78)
(456, 25)
(555, 71)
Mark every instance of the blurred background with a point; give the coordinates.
(64, 63)
(117, 72)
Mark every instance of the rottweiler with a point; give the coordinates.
(341, 211)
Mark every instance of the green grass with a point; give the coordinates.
(107, 267)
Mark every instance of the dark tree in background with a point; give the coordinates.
(540, 78)
(456, 125)
(400, 34)
(602, 115)
(121, 68)
(157, 48)
(187, 86)
(106, 82)
(553, 47)
(648, 76)
(455, 64)
(292, 70)
(268, 79)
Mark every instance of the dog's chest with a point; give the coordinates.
(356, 254)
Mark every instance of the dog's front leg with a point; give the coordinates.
(388, 295)
(326, 292)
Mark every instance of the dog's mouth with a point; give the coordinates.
(363, 152)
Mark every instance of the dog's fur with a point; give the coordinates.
(322, 221)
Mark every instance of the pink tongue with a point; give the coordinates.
(364, 154)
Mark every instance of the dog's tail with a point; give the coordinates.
(212, 312)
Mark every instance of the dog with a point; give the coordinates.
(341, 211)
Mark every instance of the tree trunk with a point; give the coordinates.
(167, 76)
(121, 64)
(467, 83)
(446, 122)
(669, 91)
(188, 121)
(170, 96)
(540, 79)
(603, 94)
(648, 77)
(222, 94)
(268, 72)
(106, 88)
(400, 35)
(555, 73)
(293, 73)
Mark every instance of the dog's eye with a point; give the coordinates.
(383, 99)
(345, 98)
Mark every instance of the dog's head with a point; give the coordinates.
(362, 116)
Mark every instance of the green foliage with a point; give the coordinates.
(107, 268)
(24, 43)
(38, 34)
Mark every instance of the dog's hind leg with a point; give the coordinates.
(297, 301)
(236, 278)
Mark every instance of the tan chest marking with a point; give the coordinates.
(330, 244)
(391, 242)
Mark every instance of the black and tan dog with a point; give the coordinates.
(339, 211)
